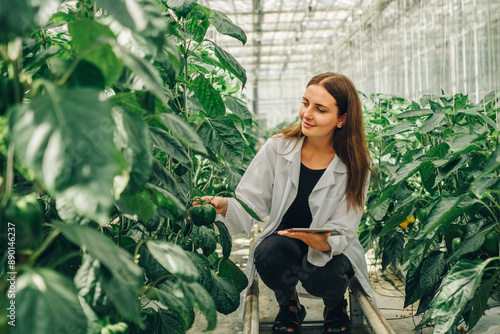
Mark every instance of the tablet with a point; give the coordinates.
(316, 230)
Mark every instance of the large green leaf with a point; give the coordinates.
(208, 96)
(168, 144)
(399, 127)
(47, 302)
(20, 17)
(230, 271)
(430, 273)
(125, 277)
(435, 120)
(140, 16)
(397, 218)
(225, 294)
(170, 183)
(446, 210)
(198, 23)
(148, 74)
(459, 287)
(88, 283)
(174, 259)
(225, 26)
(176, 305)
(181, 129)
(470, 245)
(196, 296)
(479, 303)
(131, 137)
(477, 111)
(181, 7)
(393, 244)
(87, 39)
(239, 108)
(166, 199)
(205, 239)
(141, 204)
(66, 137)
(231, 64)
(220, 135)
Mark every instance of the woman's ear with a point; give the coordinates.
(342, 120)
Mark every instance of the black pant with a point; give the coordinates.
(282, 261)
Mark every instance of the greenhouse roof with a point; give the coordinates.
(286, 38)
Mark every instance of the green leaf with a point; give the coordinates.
(168, 144)
(224, 238)
(399, 127)
(225, 26)
(415, 113)
(66, 137)
(166, 199)
(88, 38)
(131, 138)
(88, 283)
(230, 271)
(397, 218)
(246, 207)
(208, 96)
(141, 204)
(205, 239)
(23, 16)
(140, 16)
(393, 249)
(124, 273)
(46, 302)
(176, 305)
(470, 245)
(174, 259)
(481, 186)
(225, 294)
(480, 301)
(220, 135)
(239, 108)
(430, 273)
(379, 210)
(183, 132)
(446, 210)
(195, 295)
(198, 23)
(181, 7)
(231, 64)
(438, 151)
(170, 182)
(148, 74)
(435, 120)
(493, 163)
(476, 112)
(462, 143)
(406, 170)
(459, 287)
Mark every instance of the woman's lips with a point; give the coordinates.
(307, 125)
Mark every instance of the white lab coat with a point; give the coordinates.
(269, 186)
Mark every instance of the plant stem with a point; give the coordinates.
(9, 177)
(46, 243)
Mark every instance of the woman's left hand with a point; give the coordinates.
(318, 241)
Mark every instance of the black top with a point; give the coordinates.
(299, 212)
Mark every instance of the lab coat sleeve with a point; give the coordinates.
(341, 219)
(255, 189)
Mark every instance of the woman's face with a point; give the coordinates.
(319, 113)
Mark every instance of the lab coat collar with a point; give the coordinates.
(293, 165)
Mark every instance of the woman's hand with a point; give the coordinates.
(318, 241)
(219, 203)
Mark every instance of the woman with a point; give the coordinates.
(313, 174)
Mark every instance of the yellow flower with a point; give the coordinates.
(407, 221)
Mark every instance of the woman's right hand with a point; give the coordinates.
(220, 203)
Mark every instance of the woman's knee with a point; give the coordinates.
(277, 249)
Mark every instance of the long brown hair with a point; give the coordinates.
(348, 141)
